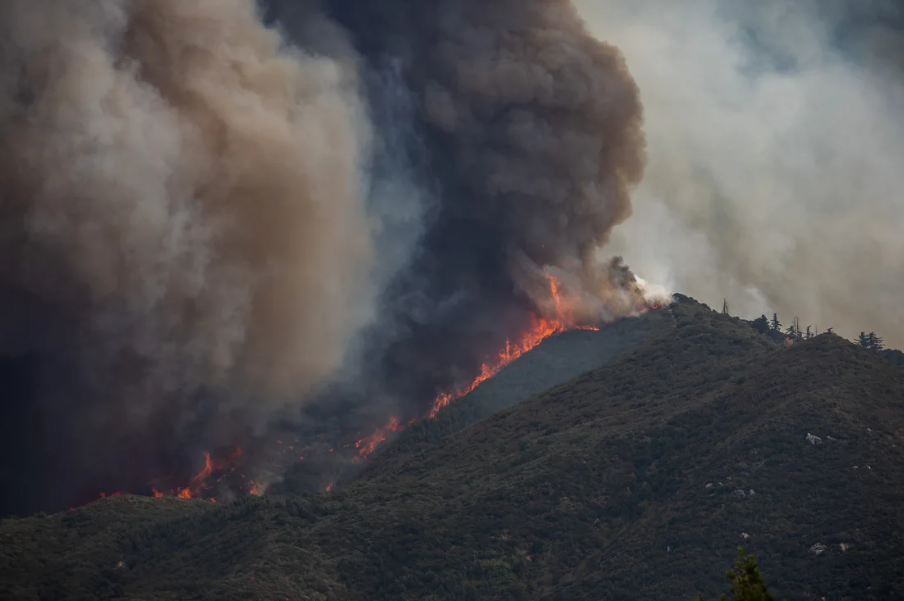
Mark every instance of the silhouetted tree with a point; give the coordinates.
(724, 306)
(875, 343)
(809, 334)
(792, 331)
(746, 581)
(761, 324)
(863, 340)
(776, 324)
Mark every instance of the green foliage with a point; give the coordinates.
(746, 581)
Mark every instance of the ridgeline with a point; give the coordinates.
(634, 480)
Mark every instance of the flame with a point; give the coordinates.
(540, 327)
(200, 485)
(539, 330)
(367, 445)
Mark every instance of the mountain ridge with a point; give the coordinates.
(634, 480)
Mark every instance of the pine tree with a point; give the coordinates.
(746, 580)
(809, 334)
(875, 343)
(864, 340)
(791, 331)
(776, 324)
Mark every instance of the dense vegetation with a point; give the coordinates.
(637, 480)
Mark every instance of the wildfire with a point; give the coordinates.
(367, 445)
(540, 329)
(203, 484)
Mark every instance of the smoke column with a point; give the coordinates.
(215, 214)
(531, 132)
(184, 219)
(775, 137)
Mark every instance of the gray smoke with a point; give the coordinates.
(775, 137)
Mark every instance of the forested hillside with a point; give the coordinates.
(637, 480)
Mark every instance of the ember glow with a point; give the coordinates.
(203, 485)
(367, 445)
(540, 329)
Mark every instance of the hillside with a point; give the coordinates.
(633, 481)
(554, 361)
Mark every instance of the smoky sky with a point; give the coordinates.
(218, 213)
(775, 137)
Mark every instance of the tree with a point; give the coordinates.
(875, 343)
(746, 581)
(809, 333)
(864, 340)
(776, 324)
(792, 331)
(761, 324)
(724, 306)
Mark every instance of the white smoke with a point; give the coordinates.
(774, 175)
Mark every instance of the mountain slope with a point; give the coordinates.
(556, 360)
(596, 488)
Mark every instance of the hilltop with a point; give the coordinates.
(634, 480)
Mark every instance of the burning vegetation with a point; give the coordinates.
(347, 206)
(206, 483)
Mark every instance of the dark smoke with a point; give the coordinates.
(532, 130)
(209, 221)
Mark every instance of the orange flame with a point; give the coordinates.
(540, 329)
(329, 487)
(367, 445)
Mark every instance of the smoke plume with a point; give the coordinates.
(215, 213)
(183, 217)
(775, 133)
(532, 135)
